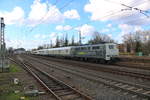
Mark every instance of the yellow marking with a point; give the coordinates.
(82, 53)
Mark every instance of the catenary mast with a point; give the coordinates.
(2, 45)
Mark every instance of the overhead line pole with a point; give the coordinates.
(80, 39)
(2, 44)
(134, 8)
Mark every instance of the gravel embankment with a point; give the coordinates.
(95, 90)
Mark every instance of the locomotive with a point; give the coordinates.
(103, 52)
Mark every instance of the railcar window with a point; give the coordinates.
(96, 47)
(111, 46)
(83, 48)
(59, 51)
(101, 47)
(77, 48)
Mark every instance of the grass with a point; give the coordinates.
(7, 89)
(14, 68)
(12, 96)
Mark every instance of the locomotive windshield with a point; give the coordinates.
(111, 46)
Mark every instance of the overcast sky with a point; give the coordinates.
(30, 23)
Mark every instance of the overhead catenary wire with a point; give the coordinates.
(141, 11)
(112, 14)
(65, 5)
(131, 8)
(137, 19)
(137, 9)
(119, 11)
(42, 19)
(55, 2)
(109, 15)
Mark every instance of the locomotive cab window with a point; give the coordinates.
(111, 46)
(96, 47)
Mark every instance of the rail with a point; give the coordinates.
(57, 88)
(135, 89)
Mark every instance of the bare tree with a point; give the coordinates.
(66, 40)
(99, 38)
(51, 44)
(40, 47)
(57, 42)
(146, 42)
(129, 42)
(10, 50)
(138, 41)
(61, 41)
(72, 41)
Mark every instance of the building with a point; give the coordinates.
(19, 51)
(122, 48)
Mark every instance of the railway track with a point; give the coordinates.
(133, 65)
(109, 70)
(127, 87)
(57, 88)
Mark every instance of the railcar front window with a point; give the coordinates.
(111, 46)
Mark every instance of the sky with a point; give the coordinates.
(30, 23)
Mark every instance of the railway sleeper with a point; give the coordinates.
(125, 93)
(138, 90)
(66, 93)
(55, 87)
(118, 84)
(72, 97)
(130, 88)
(58, 89)
(113, 82)
(134, 96)
(124, 86)
(147, 92)
(52, 85)
(77, 98)
(51, 90)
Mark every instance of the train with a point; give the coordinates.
(103, 52)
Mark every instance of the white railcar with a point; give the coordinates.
(105, 51)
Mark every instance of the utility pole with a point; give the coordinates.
(50, 44)
(80, 40)
(2, 45)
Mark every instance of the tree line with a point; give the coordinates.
(134, 42)
(64, 41)
(138, 41)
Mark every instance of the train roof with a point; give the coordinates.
(69, 47)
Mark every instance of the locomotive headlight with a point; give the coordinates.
(108, 55)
